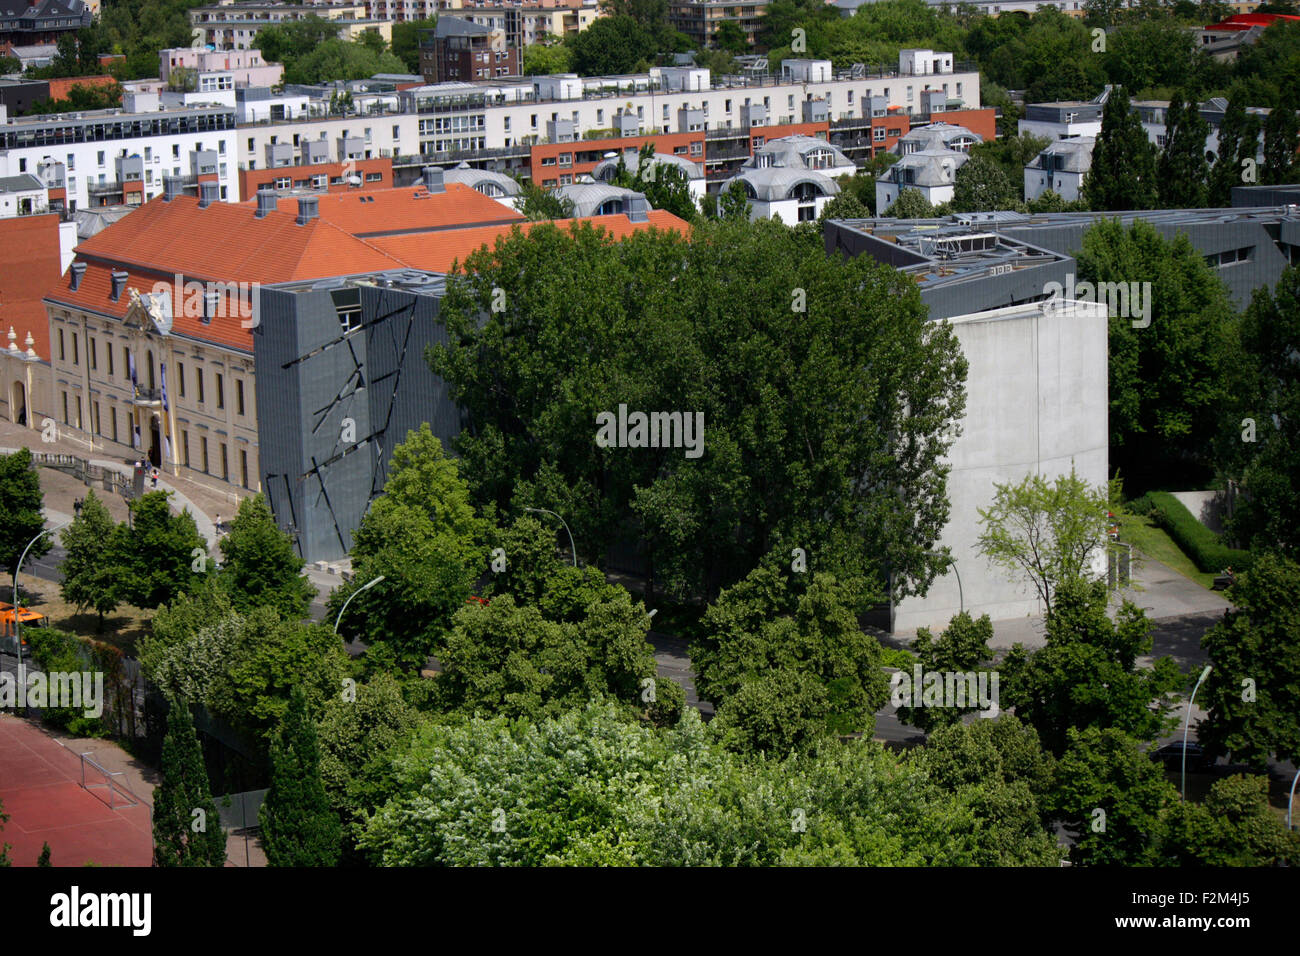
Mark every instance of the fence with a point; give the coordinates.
(107, 478)
(239, 814)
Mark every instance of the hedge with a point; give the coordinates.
(1197, 541)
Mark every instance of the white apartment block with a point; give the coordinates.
(87, 153)
(327, 139)
(465, 116)
(220, 69)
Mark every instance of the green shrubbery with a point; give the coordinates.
(1197, 541)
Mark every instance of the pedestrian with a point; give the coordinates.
(154, 478)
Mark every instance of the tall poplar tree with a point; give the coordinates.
(1238, 142)
(91, 578)
(298, 826)
(1182, 168)
(186, 827)
(1281, 139)
(1123, 173)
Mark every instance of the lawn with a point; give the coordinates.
(1153, 542)
(122, 628)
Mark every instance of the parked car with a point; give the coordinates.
(1171, 755)
(26, 618)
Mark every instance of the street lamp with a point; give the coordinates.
(366, 586)
(952, 563)
(1291, 799)
(572, 549)
(1186, 725)
(18, 637)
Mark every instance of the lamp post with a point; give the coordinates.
(366, 586)
(573, 550)
(952, 563)
(1291, 799)
(1187, 725)
(18, 637)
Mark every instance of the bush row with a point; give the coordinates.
(1197, 541)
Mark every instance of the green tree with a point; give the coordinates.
(1182, 167)
(261, 568)
(1169, 370)
(1123, 171)
(1281, 140)
(1048, 532)
(4, 847)
(610, 46)
(186, 827)
(1087, 674)
(807, 413)
(961, 648)
(21, 517)
(90, 578)
(1113, 798)
(733, 203)
(1235, 826)
(1238, 147)
(910, 204)
(44, 858)
(406, 41)
(299, 827)
(545, 59)
(336, 59)
(771, 636)
(1260, 446)
(543, 204)
(424, 537)
(1252, 696)
(729, 36)
(982, 185)
(846, 205)
(161, 555)
(664, 185)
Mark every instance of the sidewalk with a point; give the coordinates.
(204, 503)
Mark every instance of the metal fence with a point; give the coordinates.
(90, 475)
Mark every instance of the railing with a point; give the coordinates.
(86, 473)
(143, 394)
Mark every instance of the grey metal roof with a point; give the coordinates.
(480, 178)
(1074, 155)
(587, 197)
(939, 135)
(455, 27)
(604, 170)
(22, 183)
(931, 167)
(791, 152)
(774, 183)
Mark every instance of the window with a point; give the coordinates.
(180, 377)
(108, 354)
(112, 413)
(90, 354)
(185, 447)
(198, 380)
(221, 391)
(239, 396)
(126, 363)
(566, 159)
(95, 420)
(101, 157)
(507, 124)
(225, 465)
(697, 149)
(243, 467)
(566, 179)
(62, 356)
(203, 447)
(76, 348)
(65, 407)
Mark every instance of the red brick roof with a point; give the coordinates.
(407, 209)
(32, 260)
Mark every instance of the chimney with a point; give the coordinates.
(433, 179)
(119, 282)
(77, 272)
(267, 202)
(208, 194)
(211, 302)
(638, 208)
(172, 187)
(308, 209)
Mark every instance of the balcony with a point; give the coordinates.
(147, 396)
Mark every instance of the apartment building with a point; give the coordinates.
(234, 26)
(25, 23)
(100, 157)
(219, 69)
(700, 19)
(1060, 168)
(460, 51)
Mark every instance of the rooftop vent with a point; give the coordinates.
(172, 187)
(267, 202)
(308, 209)
(77, 272)
(433, 179)
(638, 208)
(119, 282)
(208, 194)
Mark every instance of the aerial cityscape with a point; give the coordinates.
(441, 433)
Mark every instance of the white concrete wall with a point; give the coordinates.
(1064, 184)
(1036, 401)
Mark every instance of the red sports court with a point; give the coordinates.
(41, 789)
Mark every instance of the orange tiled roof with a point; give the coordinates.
(438, 251)
(32, 260)
(407, 209)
